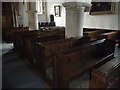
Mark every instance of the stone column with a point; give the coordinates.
(32, 16)
(33, 20)
(74, 18)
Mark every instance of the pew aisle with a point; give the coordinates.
(15, 74)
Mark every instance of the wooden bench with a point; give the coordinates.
(10, 34)
(113, 36)
(44, 50)
(20, 37)
(25, 41)
(107, 75)
(94, 35)
(96, 29)
(71, 63)
(29, 43)
(97, 33)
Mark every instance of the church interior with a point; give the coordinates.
(60, 44)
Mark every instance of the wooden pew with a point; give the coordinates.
(10, 33)
(44, 50)
(71, 63)
(25, 41)
(30, 44)
(94, 35)
(114, 35)
(106, 76)
(20, 36)
(96, 29)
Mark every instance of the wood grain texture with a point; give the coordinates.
(73, 62)
(107, 75)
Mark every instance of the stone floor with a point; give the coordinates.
(15, 73)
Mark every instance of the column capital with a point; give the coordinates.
(77, 6)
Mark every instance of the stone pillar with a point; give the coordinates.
(32, 16)
(33, 20)
(74, 18)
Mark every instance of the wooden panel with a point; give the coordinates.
(45, 51)
(112, 35)
(73, 62)
(7, 21)
(94, 35)
(106, 76)
(10, 34)
(7, 14)
(25, 40)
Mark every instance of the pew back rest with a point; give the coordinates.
(94, 34)
(46, 47)
(22, 36)
(10, 34)
(59, 45)
(30, 39)
(13, 30)
(111, 35)
(79, 59)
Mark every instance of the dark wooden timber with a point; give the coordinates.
(45, 50)
(106, 76)
(71, 63)
(24, 41)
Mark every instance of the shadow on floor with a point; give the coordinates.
(15, 74)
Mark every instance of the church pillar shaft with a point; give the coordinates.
(32, 16)
(33, 20)
(74, 19)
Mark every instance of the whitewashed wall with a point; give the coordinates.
(108, 21)
(42, 17)
(60, 21)
(22, 18)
